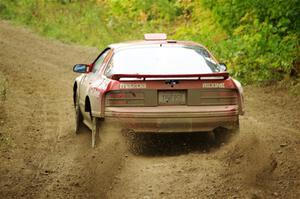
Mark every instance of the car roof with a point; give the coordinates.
(140, 43)
(137, 43)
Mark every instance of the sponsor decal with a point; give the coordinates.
(213, 85)
(129, 86)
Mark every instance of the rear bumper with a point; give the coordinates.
(173, 119)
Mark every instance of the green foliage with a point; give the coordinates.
(264, 36)
(259, 40)
(142, 11)
(229, 12)
(263, 53)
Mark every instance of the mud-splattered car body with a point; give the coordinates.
(134, 85)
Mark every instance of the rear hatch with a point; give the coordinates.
(156, 91)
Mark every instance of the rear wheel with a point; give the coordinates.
(211, 137)
(78, 117)
(222, 135)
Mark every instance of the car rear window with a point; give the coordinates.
(162, 59)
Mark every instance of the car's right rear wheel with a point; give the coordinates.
(211, 136)
(222, 135)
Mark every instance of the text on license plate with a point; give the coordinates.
(172, 97)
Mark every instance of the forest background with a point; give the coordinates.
(257, 39)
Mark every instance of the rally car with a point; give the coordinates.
(156, 85)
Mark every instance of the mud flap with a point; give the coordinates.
(78, 117)
(95, 130)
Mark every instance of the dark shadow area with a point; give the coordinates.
(163, 144)
(84, 130)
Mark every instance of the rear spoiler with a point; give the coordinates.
(209, 76)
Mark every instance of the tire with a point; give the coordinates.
(223, 135)
(95, 130)
(211, 137)
(78, 116)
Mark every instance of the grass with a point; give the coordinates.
(83, 22)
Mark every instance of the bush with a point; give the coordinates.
(264, 36)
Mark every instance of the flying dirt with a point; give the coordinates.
(42, 157)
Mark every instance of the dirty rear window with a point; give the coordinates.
(163, 60)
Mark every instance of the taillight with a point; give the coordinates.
(124, 98)
(212, 97)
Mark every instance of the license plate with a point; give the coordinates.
(172, 97)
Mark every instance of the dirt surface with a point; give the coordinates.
(41, 157)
